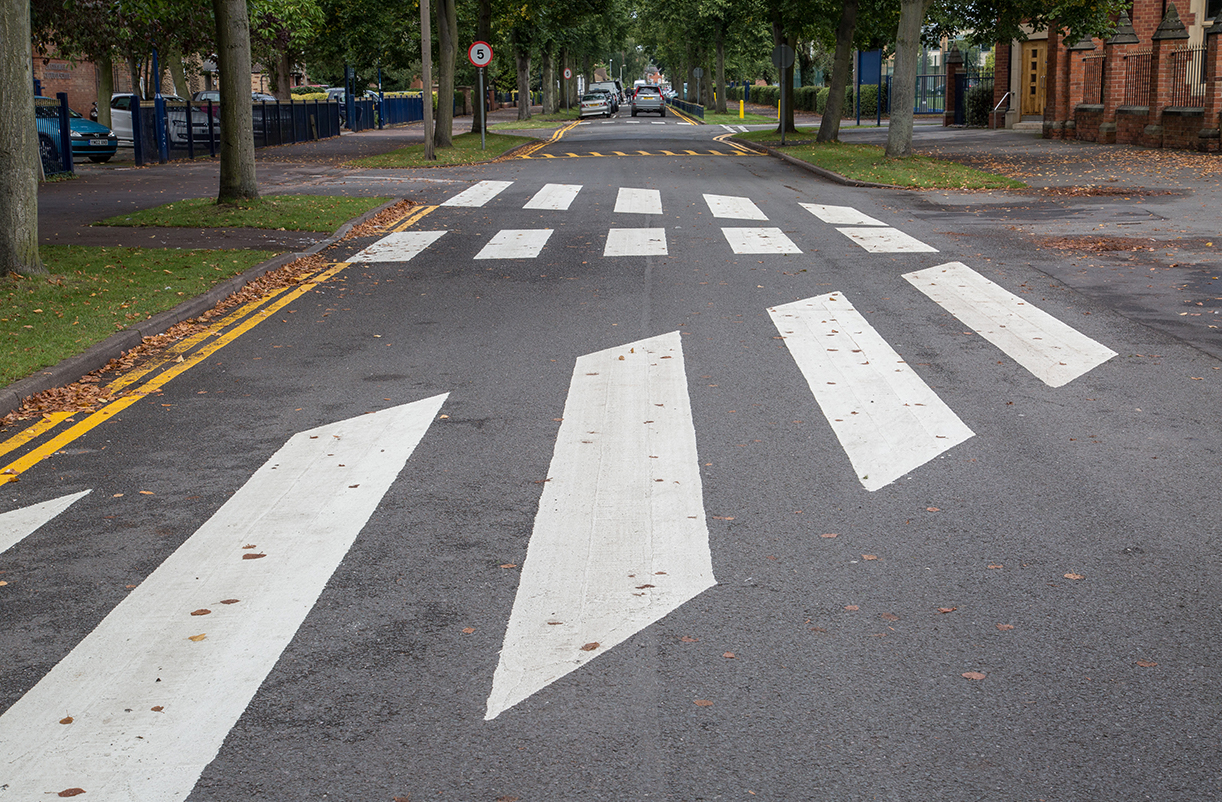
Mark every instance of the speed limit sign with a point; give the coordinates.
(480, 54)
(567, 73)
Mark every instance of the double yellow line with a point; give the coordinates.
(555, 137)
(683, 116)
(726, 139)
(180, 358)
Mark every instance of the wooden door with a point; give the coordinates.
(1034, 72)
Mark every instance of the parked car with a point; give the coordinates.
(176, 116)
(596, 104)
(614, 88)
(90, 140)
(648, 98)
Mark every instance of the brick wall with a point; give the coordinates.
(1181, 130)
(80, 81)
(1087, 120)
(1130, 122)
(1001, 84)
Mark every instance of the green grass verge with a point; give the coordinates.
(870, 163)
(537, 121)
(732, 119)
(93, 292)
(280, 212)
(465, 151)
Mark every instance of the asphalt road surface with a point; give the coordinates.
(614, 476)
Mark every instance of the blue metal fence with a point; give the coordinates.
(400, 110)
(693, 109)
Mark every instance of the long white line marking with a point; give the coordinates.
(17, 524)
(636, 242)
(398, 247)
(841, 215)
(554, 196)
(759, 240)
(734, 207)
(515, 244)
(154, 689)
(479, 194)
(886, 240)
(638, 201)
(620, 539)
(1054, 351)
(887, 419)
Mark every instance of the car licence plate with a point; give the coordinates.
(98, 143)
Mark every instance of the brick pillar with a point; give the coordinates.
(1001, 84)
(1056, 92)
(1208, 138)
(1113, 76)
(1076, 89)
(954, 65)
(1171, 32)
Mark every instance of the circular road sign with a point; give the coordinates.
(782, 57)
(698, 73)
(567, 73)
(480, 54)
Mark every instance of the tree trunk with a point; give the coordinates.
(447, 36)
(282, 78)
(587, 70)
(106, 88)
(903, 83)
(483, 33)
(238, 180)
(522, 54)
(18, 145)
(549, 80)
(426, 78)
(829, 125)
(178, 74)
(133, 68)
(721, 70)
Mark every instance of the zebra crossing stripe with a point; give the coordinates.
(400, 246)
(1054, 352)
(620, 538)
(479, 194)
(16, 525)
(887, 419)
(886, 240)
(638, 201)
(759, 240)
(841, 215)
(155, 688)
(515, 244)
(733, 206)
(636, 242)
(554, 196)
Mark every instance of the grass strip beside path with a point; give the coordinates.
(870, 163)
(93, 292)
(279, 212)
(731, 118)
(465, 151)
(537, 121)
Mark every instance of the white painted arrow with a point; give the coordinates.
(151, 693)
(887, 419)
(620, 539)
(15, 525)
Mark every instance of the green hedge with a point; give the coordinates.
(978, 104)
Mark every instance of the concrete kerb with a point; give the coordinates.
(836, 178)
(97, 356)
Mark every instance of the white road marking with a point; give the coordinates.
(636, 242)
(759, 240)
(554, 196)
(479, 194)
(515, 244)
(841, 215)
(886, 240)
(16, 525)
(733, 206)
(154, 689)
(728, 128)
(886, 418)
(684, 123)
(620, 539)
(742, 128)
(1054, 352)
(399, 246)
(658, 122)
(633, 122)
(638, 201)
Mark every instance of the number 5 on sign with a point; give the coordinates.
(480, 54)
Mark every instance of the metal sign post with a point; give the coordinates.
(480, 55)
(782, 59)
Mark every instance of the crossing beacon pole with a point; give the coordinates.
(480, 54)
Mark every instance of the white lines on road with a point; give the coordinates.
(400, 246)
(515, 244)
(158, 684)
(620, 538)
(638, 201)
(657, 122)
(734, 207)
(636, 242)
(17, 524)
(886, 418)
(554, 196)
(759, 240)
(886, 240)
(479, 194)
(841, 215)
(1053, 351)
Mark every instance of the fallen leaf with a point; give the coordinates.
(995, 566)
(589, 647)
(932, 509)
(688, 639)
(944, 610)
(514, 798)
(66, 720)
(1146, 663)
(972, 675)
(703, 703)
(1074, 576)
(117, 495)
(889, 617)
(1005, 627)
(869, 556)
(249, 546)
(197, 638)
(642, 587)
(830, 534)
(156, 708)
(71, 792)
(146, 492)
(509, 565)
(728, 655)
(201, 611)
(2, 583)
(851, 607)
(253, 556)
(468, 630)
(720, 518)
(229, 601)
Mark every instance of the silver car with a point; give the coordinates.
(648, 98)
(596, 104)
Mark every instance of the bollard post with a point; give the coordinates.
(741, 108)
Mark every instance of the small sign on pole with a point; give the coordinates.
(480, 54)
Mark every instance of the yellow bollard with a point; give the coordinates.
(741, 113)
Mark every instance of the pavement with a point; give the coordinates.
(1136, 225)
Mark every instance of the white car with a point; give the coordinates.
(176, 116)
(596, 104)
